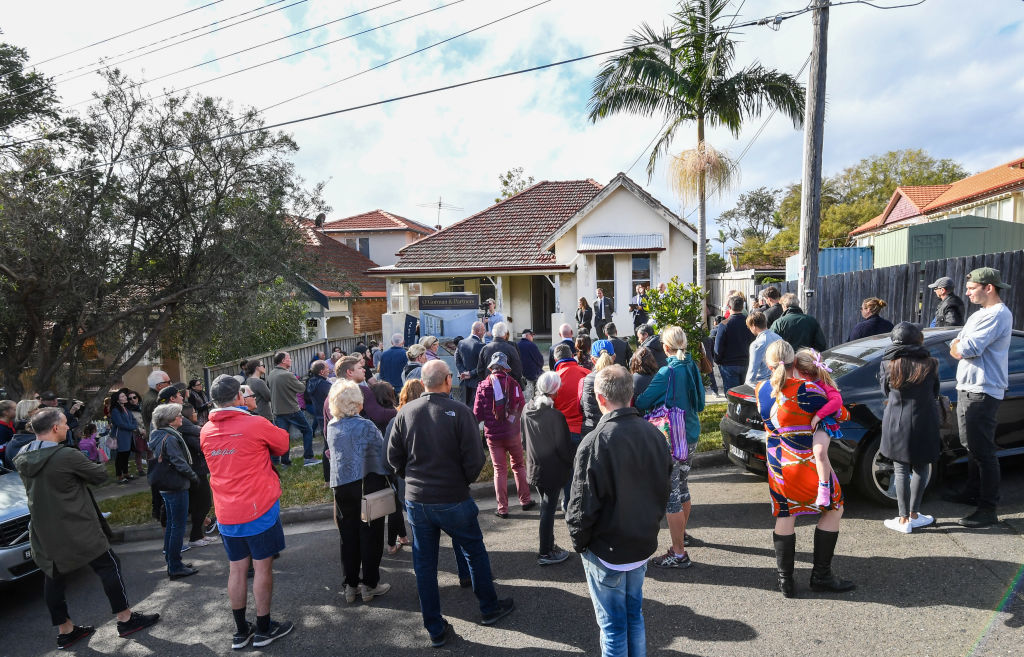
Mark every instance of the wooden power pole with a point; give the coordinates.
(814, 128)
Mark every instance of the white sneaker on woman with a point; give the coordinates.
(897, 526)
(921, 520)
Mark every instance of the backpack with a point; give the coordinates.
(508, 397)
(307, 394)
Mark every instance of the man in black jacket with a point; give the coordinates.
(620, 490)
(774, 310)
(622, 350)
(435, 446)
(467, 358)
(502, 344)
(565, 333)
(732, 346)
(951, 307)
(645, 337)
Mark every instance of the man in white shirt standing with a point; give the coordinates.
(982, 347)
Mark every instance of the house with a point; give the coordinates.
(538, 251)
(994, 194)
(334, 312)
(377, 234)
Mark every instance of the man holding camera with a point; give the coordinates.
(247, 494)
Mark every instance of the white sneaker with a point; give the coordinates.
(203, 542)
(350, 593)
(921, 520)
(897, 526)
(369, 594)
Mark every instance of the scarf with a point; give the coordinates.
(906, 351)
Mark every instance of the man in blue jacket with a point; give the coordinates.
(393, 361)
(732, 346)
(533, 362)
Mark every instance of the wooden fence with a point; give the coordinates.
(837, 299)
(719, 286)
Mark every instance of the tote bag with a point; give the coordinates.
(671, 422)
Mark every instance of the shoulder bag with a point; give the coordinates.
(671, 421)
(377, 505)
(705, 365)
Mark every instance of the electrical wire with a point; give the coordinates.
(116, 36)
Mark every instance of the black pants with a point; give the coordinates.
(396, 523)
(199, 502)
(107, 566)
(362, 544)
(976, 417)
(121, 464)
(548, 506)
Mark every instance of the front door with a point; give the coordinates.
(542, 304)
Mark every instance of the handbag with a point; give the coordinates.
(705, 365)
(671, 422)
(945, 412)
(377, 505)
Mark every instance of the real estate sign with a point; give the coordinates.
(448, 315)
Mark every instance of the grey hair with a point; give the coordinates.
(164, 414)
(500, 330)
(789, 300)
(397, 340)
(615, 384)
(562, 351)
(45, 420)
(156, 377)
(317, 367)
(433, 375)
(547, 386)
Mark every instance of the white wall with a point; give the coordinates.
(383, 246)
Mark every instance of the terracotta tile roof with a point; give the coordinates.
(869, 225)
(507, 235)
(995, 180)
(377, 220)
(331, 258)
(922, 195)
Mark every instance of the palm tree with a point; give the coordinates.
(684, 74)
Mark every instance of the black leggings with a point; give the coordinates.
(198, 506)
(121, 464)
(107, 566)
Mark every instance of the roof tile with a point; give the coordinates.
(331, 255)
(378, 220)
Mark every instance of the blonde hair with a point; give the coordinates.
(413, 389)
(806, 363)
(24, 410)
(345, 398)
(603, 361)
(415, 351)
(780, 353)
(874, 305)
(674, 338)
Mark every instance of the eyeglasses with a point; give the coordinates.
(247, 396)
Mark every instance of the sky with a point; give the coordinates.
(943, 76)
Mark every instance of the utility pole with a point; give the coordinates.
(814, 128)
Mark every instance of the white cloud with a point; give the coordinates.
(935, 77)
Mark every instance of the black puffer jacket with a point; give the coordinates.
(549, 451)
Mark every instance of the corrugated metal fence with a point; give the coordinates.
(837, 299)
(302, 355)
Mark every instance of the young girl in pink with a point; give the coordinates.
(824, 423)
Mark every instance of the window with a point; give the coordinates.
(606, 274)
(1006, 209)
(641, 271)
(457, 285)
(361, 244)
(487, 290)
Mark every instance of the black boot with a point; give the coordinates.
(822, 577)
(785, 554)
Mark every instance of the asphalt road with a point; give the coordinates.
(944, 591)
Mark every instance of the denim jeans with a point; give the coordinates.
(176, 505)
(976, 417)
(317, 423)
(297, 419)
(459, 521)
(618, 604)
(575, 439)
(732, 376)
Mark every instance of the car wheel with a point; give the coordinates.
(875, 475)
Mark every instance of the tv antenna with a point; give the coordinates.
(440, 205)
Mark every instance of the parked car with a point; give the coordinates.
(15, 551)
(856, 458)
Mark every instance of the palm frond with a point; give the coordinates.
(702, 171)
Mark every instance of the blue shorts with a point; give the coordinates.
(261, 546)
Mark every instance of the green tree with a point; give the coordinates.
(716, 263)
(102, 265)
(28, 97)
(681, 305)
(512, 182)
(684, 75)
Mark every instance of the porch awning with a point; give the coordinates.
(624, 242)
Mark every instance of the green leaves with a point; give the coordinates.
(681, 305)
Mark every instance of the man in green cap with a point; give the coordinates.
(982, 347)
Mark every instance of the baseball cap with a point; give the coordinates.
(224, 389)
(944, 282)
(525, 331)
(987, 276)
(49, 395)
(168, 392)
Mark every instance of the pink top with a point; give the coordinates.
(834, 403)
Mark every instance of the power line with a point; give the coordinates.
(297, 52)
(154, 50)
(117, 36)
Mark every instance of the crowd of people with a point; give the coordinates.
(610, 429)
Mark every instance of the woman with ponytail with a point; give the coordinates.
(787, 403)
(873, 323)
(688, 395)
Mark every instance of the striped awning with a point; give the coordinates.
(612, 243)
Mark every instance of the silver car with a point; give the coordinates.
(15, 551)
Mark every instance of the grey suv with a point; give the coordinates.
(15, 551)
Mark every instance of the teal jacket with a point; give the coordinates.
(689, 393)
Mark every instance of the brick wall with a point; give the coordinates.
(366, 314)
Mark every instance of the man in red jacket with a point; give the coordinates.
(246, 492)
(567, 400)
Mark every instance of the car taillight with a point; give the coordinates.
(740, 395)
